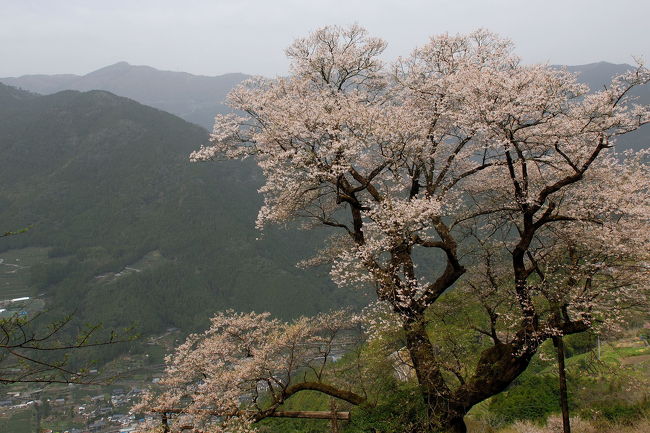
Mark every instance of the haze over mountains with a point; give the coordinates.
(195, 98)
(198, 98)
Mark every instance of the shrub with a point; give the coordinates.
(533, 399)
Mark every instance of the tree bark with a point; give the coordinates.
(434, 389)
(497, 367)
(443, 415)
(342, 394)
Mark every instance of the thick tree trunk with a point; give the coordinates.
(432, 384)
(497, 367)
(442, 414)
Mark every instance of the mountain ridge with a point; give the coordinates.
(198, 98)
(195, 98)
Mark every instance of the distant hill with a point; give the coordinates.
(11, 95)
(596, 75)
(194, 98)
(197, 98)
(129, 229)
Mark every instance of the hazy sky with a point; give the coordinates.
(213, 37)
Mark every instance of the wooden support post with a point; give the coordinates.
(564, 397)
(334, 420)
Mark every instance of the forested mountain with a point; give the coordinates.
(11, 95)
(134, 232)
(195, 98)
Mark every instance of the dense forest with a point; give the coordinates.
(131, 233)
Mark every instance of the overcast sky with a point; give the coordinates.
(213, 37)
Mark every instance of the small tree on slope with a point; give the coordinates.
(454, 167)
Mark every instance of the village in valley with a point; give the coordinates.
(79, 408)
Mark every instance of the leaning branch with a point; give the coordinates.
(344, 395)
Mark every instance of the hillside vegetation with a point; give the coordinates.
(124, 229)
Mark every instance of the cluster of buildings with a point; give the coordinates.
(102, 413)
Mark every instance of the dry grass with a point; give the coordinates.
(554, 425)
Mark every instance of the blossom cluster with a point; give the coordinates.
(242, 367)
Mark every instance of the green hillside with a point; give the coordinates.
(124, 229)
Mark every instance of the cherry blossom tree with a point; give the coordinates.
(246, 365)
(455, 167)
